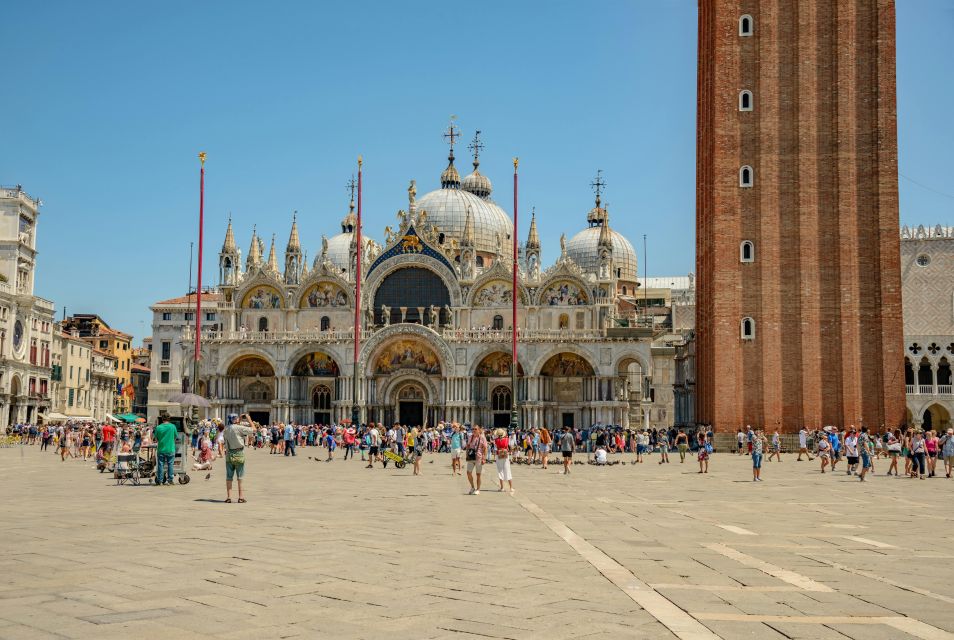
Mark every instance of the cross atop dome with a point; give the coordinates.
(450, 179)
(476, 147)
(598, 185)
(451, 135)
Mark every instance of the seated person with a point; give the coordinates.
(601, 456)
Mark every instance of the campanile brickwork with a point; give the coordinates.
(824, 288)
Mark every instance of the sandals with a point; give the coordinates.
(241, 500)
(228, 500)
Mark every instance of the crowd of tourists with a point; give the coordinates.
(911, 452)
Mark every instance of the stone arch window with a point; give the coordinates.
(748, 328)
(747, 251)
(624, 289)
(321, 398)
(564, 321)
(257, 392)
(263, 324)
(943, 372)
(925, 375)
(745, 100)
(908, 373)
(480, 261)
(500, 399)
(746, 177)
(440, 238)
(746, 26)
(325, 323)
(498, 323)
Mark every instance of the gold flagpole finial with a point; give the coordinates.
(516, 161)
(360, 162)
(202, 157)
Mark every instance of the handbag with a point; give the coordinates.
(235, 457)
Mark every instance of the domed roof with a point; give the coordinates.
(447, 209)
(477, 184)
(583, 249)
(339, 250)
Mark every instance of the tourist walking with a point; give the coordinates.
(415, 443)
(776, 450)
(866, 450)
(456, 448)
(946, 444)
(931, 448)
(918, 455)
(546, 441)
(165, 452)
(501, 442)
(803, 445)
(476, 455)
(234, 435)
(851, 451)
(662, 441)
(824, 451)
(682, 444)
(289, 437)
(374, 443)
(705, 448)
(894, 452)
(758, 447)
(566, 448)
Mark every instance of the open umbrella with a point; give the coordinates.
(190, 400)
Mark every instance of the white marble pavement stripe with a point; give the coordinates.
(910, 626)
(675, 619)
(786, 575)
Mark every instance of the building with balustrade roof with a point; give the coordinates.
(26, 320)
(927, 292)
(278, 341)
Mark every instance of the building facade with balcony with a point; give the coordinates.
(26, 321)
(927, 290)
(435, 328)
(118, 344)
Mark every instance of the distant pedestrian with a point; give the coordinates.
(866, 451)
(234, 435)
(803, 445)
(682, 444)
(476, 455)
(566, 448)
(165, 452)
(758, 447)
(705, 448)
(947, 452)
(504, 474)
(288, 433)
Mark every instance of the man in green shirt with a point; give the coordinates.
(165, 452)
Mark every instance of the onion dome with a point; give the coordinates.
(339, 246)
(477, 183)
(584, 247)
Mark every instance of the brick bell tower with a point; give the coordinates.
(797, 240)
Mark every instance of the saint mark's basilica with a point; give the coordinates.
(436, 327)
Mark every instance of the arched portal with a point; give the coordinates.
(410, 404)
(415, 289)
(936, 418)
(254, 378)
(321, 404)
(568, 383)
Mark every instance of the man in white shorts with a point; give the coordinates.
(456, 448)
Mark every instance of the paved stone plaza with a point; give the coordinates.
(332, 550)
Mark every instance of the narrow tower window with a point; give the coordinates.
(747, 251)
(745, 100)
(746, 25)
(745, 177)
(748, 329)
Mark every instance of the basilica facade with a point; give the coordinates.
(435, 330)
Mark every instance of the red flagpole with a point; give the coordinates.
(514, 418)
(198, 285)
(355, 412)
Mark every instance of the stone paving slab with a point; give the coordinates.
(332, 550)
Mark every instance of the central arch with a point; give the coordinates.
(416, 289)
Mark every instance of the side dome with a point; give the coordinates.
(477, 184)
(447, 210)
(583, 248)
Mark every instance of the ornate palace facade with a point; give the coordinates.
(436, 327)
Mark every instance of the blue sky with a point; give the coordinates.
(106, 105)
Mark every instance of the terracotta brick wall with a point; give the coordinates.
(824, 289)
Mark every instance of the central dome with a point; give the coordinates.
(447, 209)
(583, 248)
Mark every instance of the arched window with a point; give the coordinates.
(441, 238)
(747, 251)
(624, 289)
(746, 25)
(263, 324)
(745, 100)
(498, 323)
(748, 329)
(325, 323)
(501, 399)
(480, 261)
(564, 321)
(746, 177)
(321, 398)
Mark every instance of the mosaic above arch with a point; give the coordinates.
(496, 365)
(324, 294)
(262, 297)
(563, 293)
(407, 354)
(566, 365)
(248, 366)
(316, 364)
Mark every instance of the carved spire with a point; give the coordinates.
(272, 259)
(254, 251)
(533, 239)
(229, 245)
(469, 237)
(606, 239)
(294, 243)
